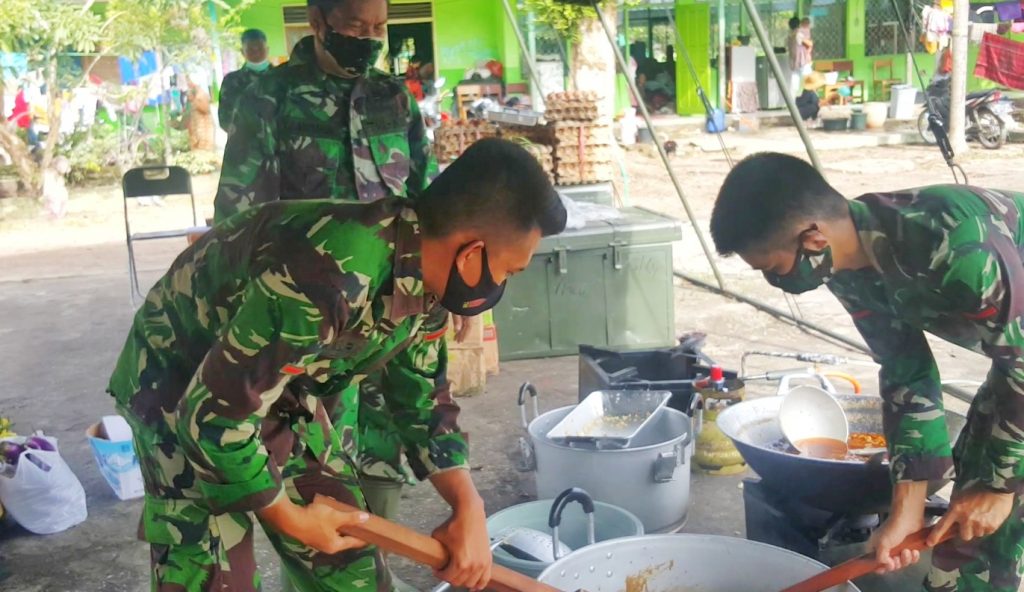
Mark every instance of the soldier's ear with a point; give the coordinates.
(317, 19)
(813, 240)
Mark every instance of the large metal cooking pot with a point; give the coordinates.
(650, 478)
(845, 487)
(675, 562)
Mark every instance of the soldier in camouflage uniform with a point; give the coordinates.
(312, 128)
(231, 363)
(234, 86)
(947, 260)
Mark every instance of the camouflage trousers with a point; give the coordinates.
(991, 564)
(225, 561)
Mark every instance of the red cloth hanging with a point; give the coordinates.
(1001, 60)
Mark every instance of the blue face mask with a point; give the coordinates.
(258, 67)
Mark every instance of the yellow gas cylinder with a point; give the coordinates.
(715, 453)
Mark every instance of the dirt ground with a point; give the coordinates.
(65, 311)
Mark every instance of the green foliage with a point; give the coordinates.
(92, 154)
(198, 163)
(564, 18)
(41, 30)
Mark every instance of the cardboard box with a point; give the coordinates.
(467, 372)
(116, 457)
(490, 337)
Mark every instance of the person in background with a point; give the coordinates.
(806, 41)
(796, 67)
(254, 48)
(946, 260)
(808, 103)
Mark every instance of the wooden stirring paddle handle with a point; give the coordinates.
(863, 565)
(397, 539)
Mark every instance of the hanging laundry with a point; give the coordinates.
(978, 31)
(937, 25)
(1009, 11)
(1001, 60)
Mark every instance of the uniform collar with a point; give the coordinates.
(870, 233)
(409, 297)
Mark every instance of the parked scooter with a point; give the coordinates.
(430, 107)
(986, 115)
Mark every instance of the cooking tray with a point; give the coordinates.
(609, 419)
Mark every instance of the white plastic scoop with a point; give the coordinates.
(814, 423)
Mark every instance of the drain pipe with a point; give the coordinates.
(951, 389)
(787, 94)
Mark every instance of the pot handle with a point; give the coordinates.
(825, 383)
(696, 416)
(565, 498)
(525, 389)
(665, 464)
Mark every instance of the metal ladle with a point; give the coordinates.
(811, 415)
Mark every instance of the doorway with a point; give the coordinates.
(411, 54)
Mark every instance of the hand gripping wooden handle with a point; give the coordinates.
(397, 539)
(863, 565)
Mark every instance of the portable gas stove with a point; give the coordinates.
(775, 519)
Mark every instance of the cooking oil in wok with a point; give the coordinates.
(827, 448)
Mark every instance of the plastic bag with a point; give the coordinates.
(43, 494)
(578, 213)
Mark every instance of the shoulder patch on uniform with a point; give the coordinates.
(437, 334)
(293, 370)
(861, 314)
(985, 313)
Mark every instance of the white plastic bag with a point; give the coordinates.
(43, 495)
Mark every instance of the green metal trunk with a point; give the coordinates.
(608, 284)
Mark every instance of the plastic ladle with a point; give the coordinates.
(814, 422)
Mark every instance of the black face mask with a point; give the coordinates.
(467, 301)
(355, 55)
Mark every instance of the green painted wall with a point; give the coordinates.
(268, 16)
(693, 22)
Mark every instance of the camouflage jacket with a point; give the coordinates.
(948, 260)
(230, 360)
(307, 135)
(232, 88)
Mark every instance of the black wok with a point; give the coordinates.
(844, 487)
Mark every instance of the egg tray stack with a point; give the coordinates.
(582, 145)
(538, 141)
(453, 137)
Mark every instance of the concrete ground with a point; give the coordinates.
(65, 311)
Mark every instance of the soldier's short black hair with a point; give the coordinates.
(326, 6)
(253, 35)
(794, 23)
(763, 195)
(495, 186)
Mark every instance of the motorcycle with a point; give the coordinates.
(430, 108)
(986, 115)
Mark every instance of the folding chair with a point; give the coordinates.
(155, 181)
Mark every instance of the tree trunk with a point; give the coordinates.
(162, 107)
(20, 157)
(53, 111)
(593, 61)
(958, 80)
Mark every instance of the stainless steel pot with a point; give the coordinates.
(650, 478)
(673, 562)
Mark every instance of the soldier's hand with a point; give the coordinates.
(462, 326)
(905, 518)
(976, 513)
(317, 525)
(465, 537)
